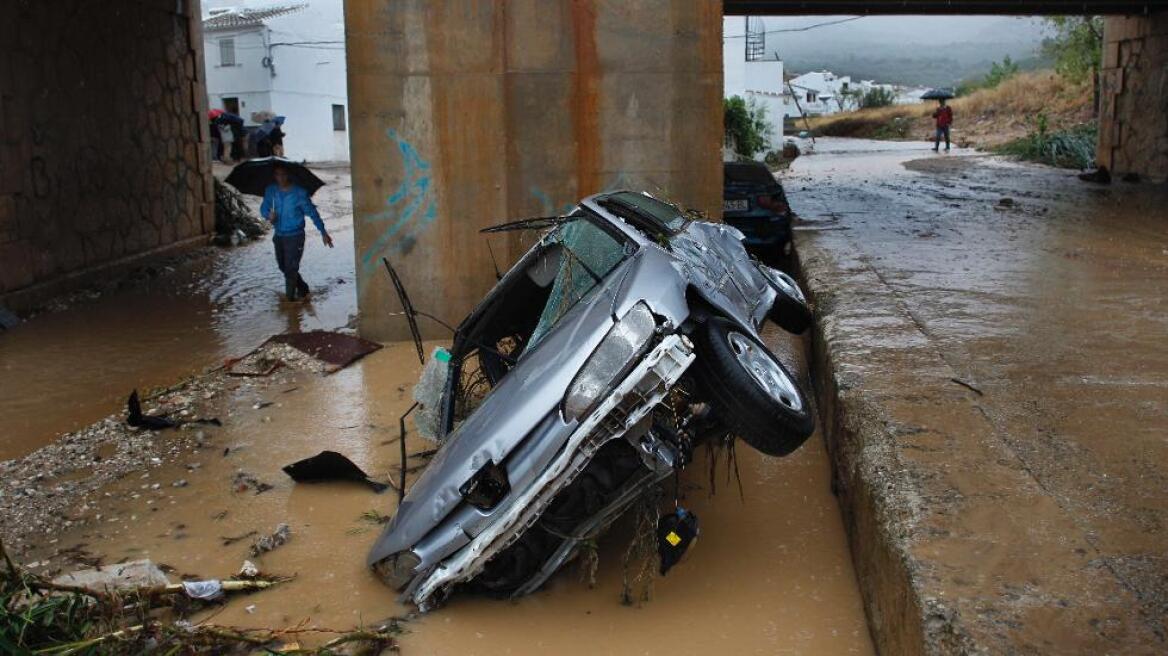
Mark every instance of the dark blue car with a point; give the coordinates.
(753, 201)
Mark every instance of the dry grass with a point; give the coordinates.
(984, 118)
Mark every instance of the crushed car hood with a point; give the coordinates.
(533, 389)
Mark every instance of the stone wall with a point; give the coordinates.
(102, 137)
(1133, 135)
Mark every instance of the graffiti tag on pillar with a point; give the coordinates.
(408, 211)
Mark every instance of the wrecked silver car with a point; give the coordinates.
(624, 338)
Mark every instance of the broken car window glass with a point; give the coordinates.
(589, 254)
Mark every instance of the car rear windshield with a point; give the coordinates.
(742, 173)
(661, 218)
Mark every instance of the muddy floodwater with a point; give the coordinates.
(770, 573)
(66, 369)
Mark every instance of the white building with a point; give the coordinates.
(746, 72)
(822, 92)
(288, 59)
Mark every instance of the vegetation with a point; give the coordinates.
(999, 73)
(1073, 147)
(747, 126)
(877, 97)
(985, 117)
(38, 616)
(1076, 46)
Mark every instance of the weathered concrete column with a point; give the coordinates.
(1133, 126)
(468, 113)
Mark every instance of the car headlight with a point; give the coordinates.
(627, 339)
(398, 569)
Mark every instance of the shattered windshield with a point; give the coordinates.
(588, 253)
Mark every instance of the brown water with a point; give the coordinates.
(65, 370)
(770, 574)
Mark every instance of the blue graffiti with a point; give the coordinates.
(409, 210)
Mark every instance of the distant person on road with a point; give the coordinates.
(286, 204)
(944, 118)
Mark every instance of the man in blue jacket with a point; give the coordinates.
(285, 205)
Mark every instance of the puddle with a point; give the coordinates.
(770, 574)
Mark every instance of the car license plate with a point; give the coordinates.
(735, 205)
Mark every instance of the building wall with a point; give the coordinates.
(469, 113)
(1133, 127)
(103, 138)
(307, 53)
(761, 81)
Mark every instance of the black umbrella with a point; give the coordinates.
(254, 176)
(938, 94)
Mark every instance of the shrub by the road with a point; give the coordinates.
(1073, 147)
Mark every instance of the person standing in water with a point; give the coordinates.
(944, 118)
(286, 204)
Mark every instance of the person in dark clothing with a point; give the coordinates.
(285, 205)
(944, 118)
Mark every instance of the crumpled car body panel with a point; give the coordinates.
(520, 423)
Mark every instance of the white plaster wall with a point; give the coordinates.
(308, 61)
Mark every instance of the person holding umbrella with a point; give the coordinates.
(943, 116)
(287, 189)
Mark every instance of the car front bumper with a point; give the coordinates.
(626, 405)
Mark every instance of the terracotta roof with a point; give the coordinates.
(236, 18)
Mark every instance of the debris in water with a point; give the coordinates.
(336, 350)
(269, 542)
(131, 575)
(230, 540)
(136, 419)
(244, 481)
(675, 533)
(330, 466)
(203, 590)
(248, 570)
(1100, 175)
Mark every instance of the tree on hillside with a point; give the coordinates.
(1076, 46)
(747, 125)
(1000, 72)
(877, 97)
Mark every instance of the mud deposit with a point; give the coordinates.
(992, 342)
(67, 369)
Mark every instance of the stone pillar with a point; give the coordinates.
(1133, 125)
(468, 113)
(103, 138)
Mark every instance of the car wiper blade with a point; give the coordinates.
(534, 223)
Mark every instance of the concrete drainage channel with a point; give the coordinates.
(874, 502)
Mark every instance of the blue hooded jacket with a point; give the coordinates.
(291, 207)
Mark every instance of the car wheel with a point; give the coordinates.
(790, 309)
(750, 390)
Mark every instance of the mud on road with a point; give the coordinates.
(992, 354)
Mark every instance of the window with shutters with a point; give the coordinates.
(227, 52)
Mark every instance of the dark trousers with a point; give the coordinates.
(941, 132)
(289, 250)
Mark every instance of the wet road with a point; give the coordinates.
(1006, 323)
(66, 369)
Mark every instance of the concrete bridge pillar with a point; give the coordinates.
(468, 113)
(1133, 126)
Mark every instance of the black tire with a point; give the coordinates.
(789, 312)
(774, 426)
